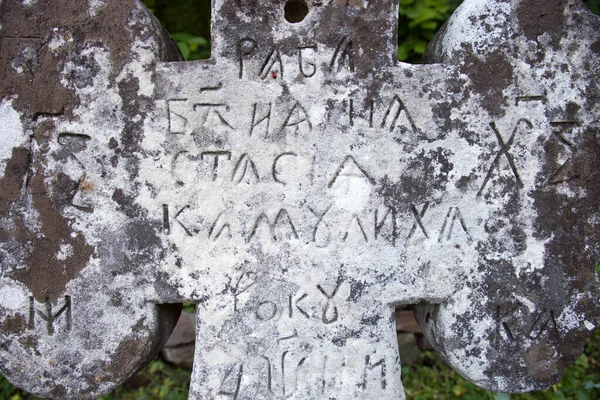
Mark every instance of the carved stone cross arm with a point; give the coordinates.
(297, 187)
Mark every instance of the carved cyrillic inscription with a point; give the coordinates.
(315, 226)
(49, 315)
(343, 56)
(307, 68)
(273, 66)
(319, 303)
(273, 63)
(177, 122)
(531, 98)
(349, 167)
(261, 115)
(268, 119)
(297, 118)
(395, 110)
(294, 372)
(73, 144)
(216, 156)
(246, 47)
(453, 218)
(418, 224)
(512, 326)
(230, 386)
(567, 170)
(505, 148)
(330, 313)
(218, 109)
(284, 390)
(371, 366)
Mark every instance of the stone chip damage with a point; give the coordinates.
(297, 187)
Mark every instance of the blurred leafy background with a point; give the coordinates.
(419, 20)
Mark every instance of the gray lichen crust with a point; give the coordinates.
(297, 187)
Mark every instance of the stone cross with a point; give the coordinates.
(297, 187)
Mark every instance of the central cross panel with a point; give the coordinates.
(300, 203)
(285, 234)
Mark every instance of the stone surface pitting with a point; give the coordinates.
(297, 187)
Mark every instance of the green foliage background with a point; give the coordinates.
(419, 20)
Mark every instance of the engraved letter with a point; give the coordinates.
(256, 121)
(244, 164)
(230, 386)
(379, 225)
(320, 221)
(216, 155)
(449, 223)
(266, 70)
(215, 234)
(291, 306)
(275, 170)
(246, 47)
(49, 316)
(418, 221)
(313, 67)
(296, 118)
(399, 106)
(504, 151)
(166, 222)
(360, 227)
(266, 311)
(542, 322)
(214, 107)
(283, 214)
(285, 393)
(350, 167)
(325, 318)
(344, 55)
(246, 281)
(371, 367)
(177, 122)
(187, 231)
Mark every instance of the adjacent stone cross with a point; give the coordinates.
(297, 187)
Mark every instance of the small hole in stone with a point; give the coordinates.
(295, 11)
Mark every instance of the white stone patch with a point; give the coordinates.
(144, 56)
(25, 62)
(569, 319)
(60, 41)
(13, 297)
(12, 134)
(66, 251)
(461, 29)
(95, 6)
(589, 326)
(527, 303)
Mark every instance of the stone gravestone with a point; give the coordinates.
(297, 187)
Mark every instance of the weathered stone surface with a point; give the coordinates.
(74, 89)
(297, 187)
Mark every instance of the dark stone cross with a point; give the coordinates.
(297, 187)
